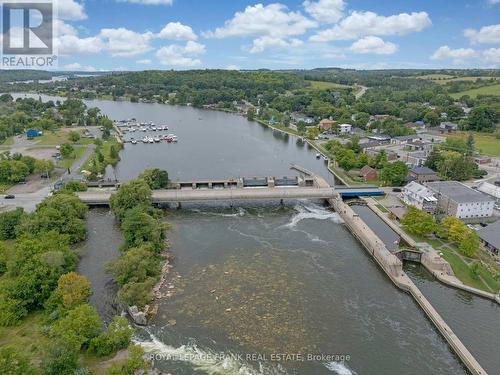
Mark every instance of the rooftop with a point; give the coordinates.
(458, 192)
(422, 170)
(421, 190)
(491, 234)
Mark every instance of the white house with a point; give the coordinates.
(345, 129)
(419, 196)
(459, 200)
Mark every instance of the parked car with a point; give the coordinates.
(10, 196)
(45, 175)
(396, 190)
(22, 182)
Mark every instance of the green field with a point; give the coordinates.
(321, 85)
(68, 162)
(58, 137)
(445, 78)
(486, 90)
(486, 144)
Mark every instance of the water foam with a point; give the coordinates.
(339, 368)
(312, 211)
(205, 360)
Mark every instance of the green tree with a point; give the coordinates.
(14, 363)
(469, 243)
(73, 289)
(135, 361)
(129, 195)
(483, 118)
(156, 178)
(18, 171)
(8, 223)
(74, 136)
(301, 127)
(140, 228)
(418, 222)
(136, 265)
(66, 150)
(394, 173)
(78, 327)
(312, 133)
(59, 359)
(251, 113)
(117, 336)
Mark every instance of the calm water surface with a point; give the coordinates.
(273, 279)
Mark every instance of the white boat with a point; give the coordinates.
(153, 128)
(156, 139)
(318, 155)
(134, 142)
(151, 140)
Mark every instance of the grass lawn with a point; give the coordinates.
(321, 85)
(58, 137)
(382, 208)
(8, 141)
(486, 144)
(461, 270)
(68, 162)
(486, 90)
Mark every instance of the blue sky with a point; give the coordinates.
(238, 34)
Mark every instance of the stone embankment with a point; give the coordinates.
(393, 267)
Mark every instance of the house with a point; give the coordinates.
(345, 128)
(33, 133)
(490, 237)
(398, 212)
(297, 117)
(404, 139)
(459, 200)
(368, 173)
(422, 174)
(326, 124)
(419, 196)
(490, 189)
(448, 126)
(380, 138)
(419, 145)
(414, 159)
(358, 131)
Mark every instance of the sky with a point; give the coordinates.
(244, 34)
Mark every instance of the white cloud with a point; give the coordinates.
(373, 44)
(124, 42)
(458, 55)
(266, 42)
(77, 66)
(232, 67)
(148, 2)
(73, 45)
(71, 10)
(144, 62)
(359, 24)
(325, 11)
(177, 31)
(492, 55)
(494, 1)
(258, 20)
(183, 56)
(486, 35)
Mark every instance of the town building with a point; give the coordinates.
(345, 128)
(422, 174)
(297, 117)
(448, 126)
(404, 139)
(380, 138)
(482, 160)
(326, 124)
(459, 200)
(33, 133)
(491, 190)
(490, 237)
(419, 196)
(368, 173)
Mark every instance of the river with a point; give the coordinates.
(264, 279)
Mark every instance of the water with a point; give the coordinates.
(293, 277)
(101, 246)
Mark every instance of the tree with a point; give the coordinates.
(136, 265)
(455, 166)
(469, 243)
(452, 228)
(394, 173)
(13, 310)
(251, 113)
(18, 171)
(129, 195)
(312, 133)
(301, 127)
(418, 222)
(8, 223)
(134, 363)
(14, 363)
(78, 327)
(381, 159)
(138, 294)
(469, 149)
(74, 290)
(483, 118)
(432, 118)
(139, 228)
(66, 150)
(60, 359)
(156, 178)
(73, 136)
(117, 336)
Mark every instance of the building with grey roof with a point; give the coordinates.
(459, 200)
(490, 237)
(419, 196)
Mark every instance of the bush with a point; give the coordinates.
(13, 363)
(136, 265)
(129, 195)
(155, 178)
(8, 222)
(138, 294)
(116, 337)
(12, 311)
(139, 227)
(60, 359)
